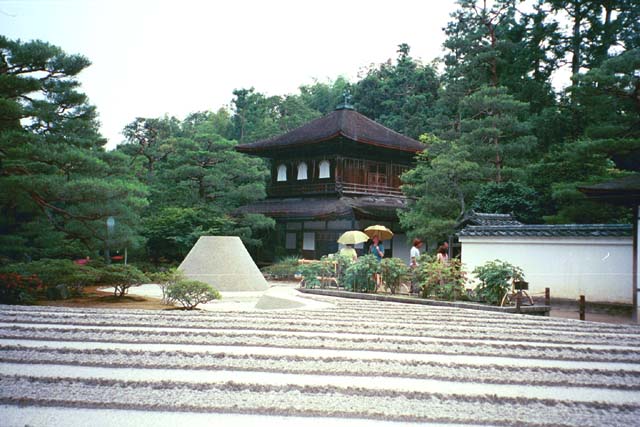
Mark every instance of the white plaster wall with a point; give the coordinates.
(598, 268)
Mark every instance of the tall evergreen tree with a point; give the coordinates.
(400, 96)
(257, 116)
(325, 97)
(607, 99)
(440, 189)
(495, 132)
(198, 182)
(474, 45)
(58, 185)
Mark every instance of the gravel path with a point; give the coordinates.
(354, 362)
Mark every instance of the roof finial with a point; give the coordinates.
(346, 104)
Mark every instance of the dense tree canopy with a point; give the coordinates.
(501, 136)
(196, 181)
(496, 103)
(58, 184)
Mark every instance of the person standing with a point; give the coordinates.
(442, 254)
(414, 254)
(349, 252)
(377, 249)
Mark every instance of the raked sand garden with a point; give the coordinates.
(327, 361)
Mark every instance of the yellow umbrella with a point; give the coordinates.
(381, 231)
(353, 237)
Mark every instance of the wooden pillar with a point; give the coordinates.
(582, 307)
(547, 296)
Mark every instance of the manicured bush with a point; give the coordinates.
(283, 269)
(190, 293)
(165, 279)
(394, 271)
(495, 280)
(359, 275)
(61, 278)
(18, 289)
(122, 277)
(441, 280)
(342, 264)
(314, 272)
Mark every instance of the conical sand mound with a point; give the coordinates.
(224, 263)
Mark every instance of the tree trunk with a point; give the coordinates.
(576, 39)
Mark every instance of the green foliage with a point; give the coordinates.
(122, 277)
(284, 269)
(610, 142)
(63, 184)
(359, 275)
(60, 278)
(257, 116)
(166, 279)
(190, 293)
(493, 105)
(324, 97)
(172, 232)
(509, 197)
(394, 271)
(316, 273)
(400, 96)
(441, 280)
(496, 133)
(18, 289)
(197, 182)
(439, 189)
(342, 264)
(495, 280)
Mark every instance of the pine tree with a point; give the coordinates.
(59, 185)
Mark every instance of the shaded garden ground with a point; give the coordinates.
(93, 297)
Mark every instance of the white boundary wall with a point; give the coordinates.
(598, 268)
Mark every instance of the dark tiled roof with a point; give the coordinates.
(297, 207)
(328, 208)
(625, 191)
(479, 218)
(564, 230)
(347, 123)
(378, 208)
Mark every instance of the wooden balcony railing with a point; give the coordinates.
(352, 188)
(292, 190)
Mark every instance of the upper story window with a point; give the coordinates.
(324, 169)
(282, 173)
(302, 171)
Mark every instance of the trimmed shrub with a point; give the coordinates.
(61, 278)
(343, 263)
(442, 280)
(314, 272)
(394, 272)
(164, 279)
(190, 293)
(359, 275)
(17, 289)
(122, 277)
(495, 277)
(283, 269)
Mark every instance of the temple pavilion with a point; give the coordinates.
(336, 173)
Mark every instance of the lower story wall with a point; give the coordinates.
(598, 268)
